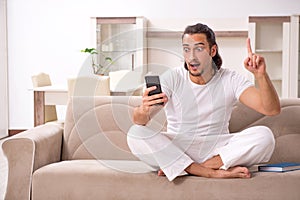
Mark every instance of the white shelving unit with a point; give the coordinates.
(124, 40)
(277, 39)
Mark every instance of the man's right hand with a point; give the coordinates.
(155, 99)
(149, 105)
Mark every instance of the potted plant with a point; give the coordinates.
(97, 67)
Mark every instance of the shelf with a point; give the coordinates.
(268, 51)
(178, 34)
(116, 20)
(269, 19)
(163, 34)
(231, 33)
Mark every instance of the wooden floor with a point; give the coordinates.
(3, 172)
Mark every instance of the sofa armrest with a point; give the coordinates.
(27, 152)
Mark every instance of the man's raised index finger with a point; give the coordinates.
(249, 47)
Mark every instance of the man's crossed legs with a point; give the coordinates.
(217, 156)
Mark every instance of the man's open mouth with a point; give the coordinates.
(194, 66)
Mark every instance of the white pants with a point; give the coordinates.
(173, 154)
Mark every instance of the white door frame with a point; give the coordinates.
(3, 70)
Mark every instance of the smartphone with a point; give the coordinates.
(153, 80)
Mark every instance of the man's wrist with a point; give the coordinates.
(145, 113)
(261, 76)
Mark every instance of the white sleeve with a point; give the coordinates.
(239, 84)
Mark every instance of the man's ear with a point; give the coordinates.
(213, 50)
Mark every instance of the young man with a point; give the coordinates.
(198, 100)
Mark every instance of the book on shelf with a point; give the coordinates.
(279, 167)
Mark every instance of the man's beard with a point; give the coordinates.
(203, 71)
(196, 74)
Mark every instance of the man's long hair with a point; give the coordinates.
(211, 39)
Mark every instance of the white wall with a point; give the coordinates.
(47, 35)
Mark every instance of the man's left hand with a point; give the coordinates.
(254, 63)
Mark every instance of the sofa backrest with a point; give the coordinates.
(96, 127)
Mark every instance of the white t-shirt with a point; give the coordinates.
(201, 109)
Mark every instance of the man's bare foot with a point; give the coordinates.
(234, 172)
(198, 169)
(160, 173)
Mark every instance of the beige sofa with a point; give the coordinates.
(89, 158)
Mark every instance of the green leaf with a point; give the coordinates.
(90, 50)
(108, 59)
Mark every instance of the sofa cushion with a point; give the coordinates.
(92, 179)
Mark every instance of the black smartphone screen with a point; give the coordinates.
(153, 81)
